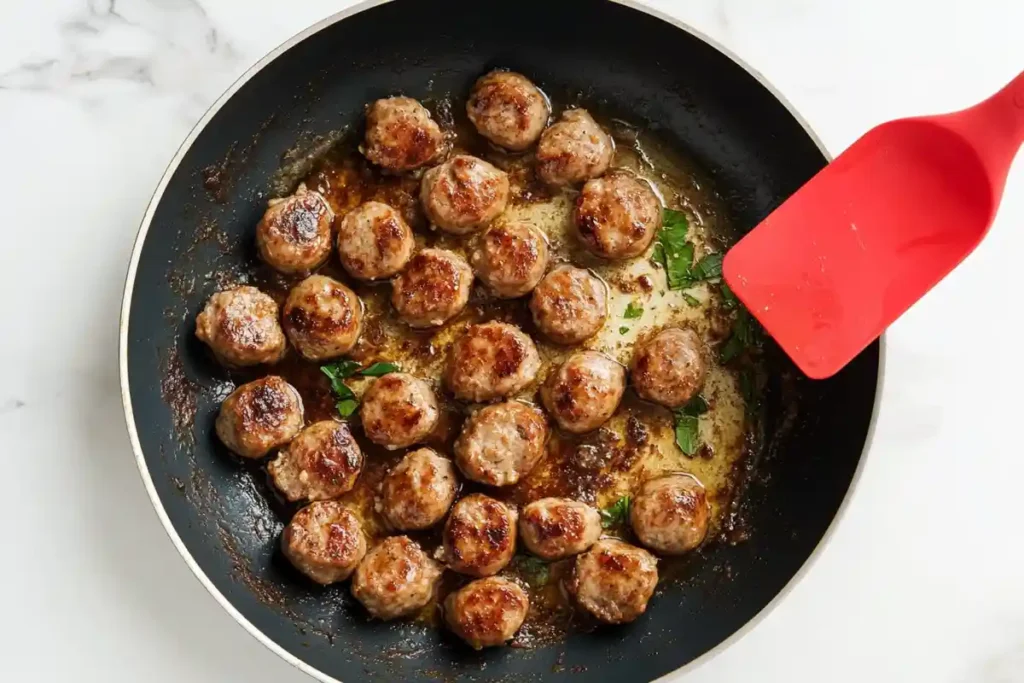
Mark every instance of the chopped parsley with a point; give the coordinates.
(378, 370)
(616, 513)
(534, 570)
(742, 336)
(690, 299)
(708, 268)
(347, 407)
(623, 330)
(338, 371)
(633, 310)
(672, 250)
(688, 425)
(729, 299)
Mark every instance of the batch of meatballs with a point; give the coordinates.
(617, 216)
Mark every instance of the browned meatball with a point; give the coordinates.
(418, 491)
(670, 368)
(584, 391)
(553, 528)
(500, 444)
(433, 288)
(260, 416)
(491, 361)
(322, 318)
(511, 258)
(573, 150)
(464, 194)
(617, 216)
(240, 326)
(569, 305)
(480, 536)
(670, 514)
(321, 463)
(398, 410)
(324, 541)
(614, 581)
(374, 241)
(294, 235)
(395, 579)
(401, 135)
(487, 612)
(507, 109)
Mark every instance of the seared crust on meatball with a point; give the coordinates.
(491, 361)
(480, 536)
(617, 216)
(464, 194)
(433, 288)
(395, 579)
(553, 528)
(322, 318)
(670, 368)
(260, 416)
(614, 580)
(418, 491)
(487, 612)
(398, 410)
(501, 443)
(321, 463)
(401, 135)
(374, 241)
(294, 235)
(324, 541)
(569, 305)
(507, 109)
(584, 391)
(240, 327)
(573, 150)
(670, 514)
(511, 258)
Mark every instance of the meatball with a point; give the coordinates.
(396, 578)
(569, 305)
(418, 491)
(507, 109)
(433, 288)
(500, 444)
(670, 514)
(401, 135)
(480, 536)
(294, 235)
(464, 194)
(240, 327)
(260, 416)
(374, 241)
(322, 318)
(584, 392)
(398, 410)
(553, 528)
(614, 580)
(511, 258)
(573, 150)
(321, 463)
(324, 541)
(617, 216)
(491, 361)
(670, 368)
(487, 612)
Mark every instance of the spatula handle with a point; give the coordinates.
(1013, 96)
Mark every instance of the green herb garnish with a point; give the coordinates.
(729, 299)
(708, 267)
(616, 513)
(688, 425)
(692, 300)
(633, 310)
(534, 570)
(742, 336)
(378, 370)
(623, 330)
(347, 407)
(338, 371)
(672, 250)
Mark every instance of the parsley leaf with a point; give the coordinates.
(708, 267)
(742, 336)
(633, 310)
(616, 513)
(692, 300)
(673, 251)
(688, 425)
(623, 330)
(379, 370)
(347, 407)
(534, 570)
(729, 299)
(341, 369)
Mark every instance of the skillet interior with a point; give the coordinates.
(630, 64)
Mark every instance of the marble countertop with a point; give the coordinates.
(922, 580)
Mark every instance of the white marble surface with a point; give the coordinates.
(923, 579)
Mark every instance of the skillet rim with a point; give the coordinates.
(129, 288)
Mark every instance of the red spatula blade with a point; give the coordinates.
(855, 247)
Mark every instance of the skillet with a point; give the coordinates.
(631, 64)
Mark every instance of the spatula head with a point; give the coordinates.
(856, 246)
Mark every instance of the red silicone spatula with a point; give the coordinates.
(869, 235)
